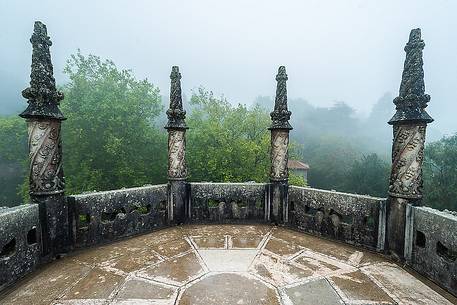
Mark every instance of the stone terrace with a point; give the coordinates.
(224, 264)
(216, 243)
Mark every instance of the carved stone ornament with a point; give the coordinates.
(177, 167)
(412, 100)
(46, 173)
(279, 154)
(407, 158)
(176, 114)
(42, 95)
(281, 115)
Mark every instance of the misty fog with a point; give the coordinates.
(349, 51)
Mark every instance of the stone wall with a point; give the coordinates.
(434, 246)
(105, 216)
(227, 202)
(20, 241)
(354, 219)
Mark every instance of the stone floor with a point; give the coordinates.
(224, 265)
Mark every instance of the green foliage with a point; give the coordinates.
(440, 174)
(225, 142)
(330, 159)
(13, 158)
(109, 139)
(296, 180)
(368, 175)
(113, 138)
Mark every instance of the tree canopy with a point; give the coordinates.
(114, 138)
(440, 173)
(110, 140)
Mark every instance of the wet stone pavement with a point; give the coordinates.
(223, 265)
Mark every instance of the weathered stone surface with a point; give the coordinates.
(176, 114)
(177, 168)
(407, 157)
(233, 260)
(98, 284)
(412, 100)
(351, 218)
(178, 206)
(46, 284)
(42, 95)
(227, 202)
(403, 287)
(278, 271)
(20, 242)
(282, 247)
(45, 153)
(178, 189)
(225, 275)
(172, 248)
(279, 155)
(210, 242)
(137, 288)
(317, 292)
(358, 287)
(281, 115)
(409, 127)
(435, 246)
(175, 271)
(46, 178)
(105, 216)
(229, 289)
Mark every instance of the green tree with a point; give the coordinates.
(440, 174)
(225, 142)
(13, 159)
(296, 180)
(330, 159)
(368, 175)
(109, 138)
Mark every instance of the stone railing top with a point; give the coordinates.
(228, 183)
(451, 215)
(338, 193)
(112, 192)
(10, 210)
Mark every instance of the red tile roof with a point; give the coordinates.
(295, 164)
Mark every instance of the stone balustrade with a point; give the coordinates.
(20, 242)
(106, 216)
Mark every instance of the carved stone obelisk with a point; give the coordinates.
(178, 203)
(409, 124)
(46, 180)
(279, 174)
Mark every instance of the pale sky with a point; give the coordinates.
(349, 50)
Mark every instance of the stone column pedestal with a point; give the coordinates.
(409, 125)
(178, 190)
(178, 211)
(279, 186)
(46, 179)
(279, 174)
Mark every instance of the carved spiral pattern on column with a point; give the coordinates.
(45, 147)
(279, 154)
(407, 158)
(177, 167)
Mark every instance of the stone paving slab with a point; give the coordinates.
(358, 286)
(229, 289)
(223, 264)
(98, 284)
(312, 293)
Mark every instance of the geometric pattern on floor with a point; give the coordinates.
(223, 265)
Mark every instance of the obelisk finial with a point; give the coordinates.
(281, 115)
(412, 100)
(176, 114)
(42, 95)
